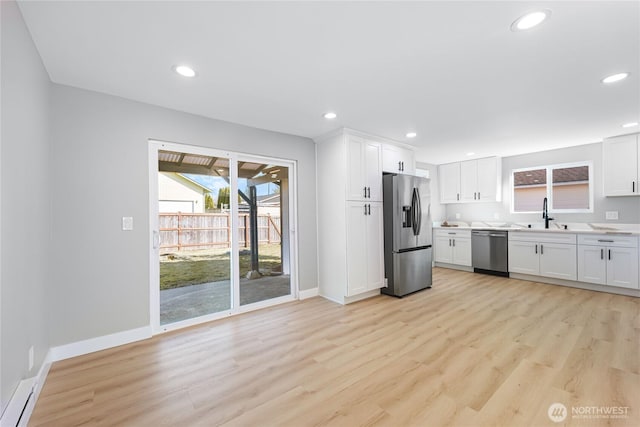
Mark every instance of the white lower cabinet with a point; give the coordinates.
(453, 247)
(608, 260)
(543, 254)
(365, 256)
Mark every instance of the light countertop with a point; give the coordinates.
(554, 227)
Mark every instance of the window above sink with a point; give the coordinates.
(567, 186)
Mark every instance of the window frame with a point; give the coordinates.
(549, 186)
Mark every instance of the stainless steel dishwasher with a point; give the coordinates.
(490, 252)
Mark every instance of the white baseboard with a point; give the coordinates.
(24, 399)
(307, 293)
(99, 343)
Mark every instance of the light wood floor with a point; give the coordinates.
(474, 350)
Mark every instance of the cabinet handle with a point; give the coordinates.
(402, 166)
(369, 209)
(536, 248)
(601, 253)
(365, 192)
(449, 242)
(474, 195)
(541, 249)
(457, 196)
(609, 254)
(478, 195)
(605, 241)
(454, 243)
(368, 192)
(633, 186)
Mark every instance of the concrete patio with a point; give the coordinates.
(198, 300)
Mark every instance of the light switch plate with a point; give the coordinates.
(127, 223)
(611, 215)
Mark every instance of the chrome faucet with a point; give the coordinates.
(545, 214)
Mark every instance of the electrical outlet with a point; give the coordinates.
(458, 215)
(127, 223)
(31, 358)
(611, 215)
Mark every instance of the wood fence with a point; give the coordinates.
(193, 231)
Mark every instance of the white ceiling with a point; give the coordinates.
(451, 71)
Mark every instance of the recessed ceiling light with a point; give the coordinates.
(630, 125)
(530, 20)
(330, 115)
(411, 135)
(184, 71)
(615, 78)
(471, 153)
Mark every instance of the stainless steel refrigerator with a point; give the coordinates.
(407, 233)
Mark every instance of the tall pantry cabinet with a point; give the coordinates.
(350, 227)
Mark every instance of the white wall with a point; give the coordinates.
(25, 203)
(101, 274)
(628, 207)
(437, 210)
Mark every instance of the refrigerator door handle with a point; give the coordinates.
(416, 212)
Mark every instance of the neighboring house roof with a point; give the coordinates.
(266, 200)
(579, 173)
(269, 199)
(561, 175)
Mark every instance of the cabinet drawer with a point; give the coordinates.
(608, 240)
(526, 236)
(439, 232)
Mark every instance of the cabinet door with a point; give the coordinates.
(469, 181)
(356, 249)
(355, 169)
(375, 246)
(523, 257)
(488, 179)
(443, 250)
(407, 157)
(449, 176)
(620, 166)
(622, 267)
(592, 267)
(373, 171)
(558, 260)
(391, 161)
(462, 251)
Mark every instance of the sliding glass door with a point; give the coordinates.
(221, 233)
(264, 272)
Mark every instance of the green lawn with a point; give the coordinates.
(194, 267)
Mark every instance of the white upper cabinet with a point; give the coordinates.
(397, 159)
(471, 181)
(621, 165)
(489, 179)
(364, 169)
(449, 177)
